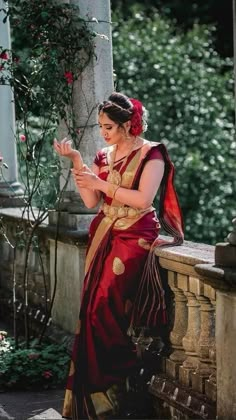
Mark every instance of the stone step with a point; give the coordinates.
(49, 414)
(4, 415)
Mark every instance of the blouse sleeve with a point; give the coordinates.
(154, 153)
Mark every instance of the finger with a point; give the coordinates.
(57, 147)
(55, 143)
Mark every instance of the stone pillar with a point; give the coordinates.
(11, 191)
(222, 386)
(179, 329)
(225, 345)
(94, 85)
(225, 258)
(225, 252)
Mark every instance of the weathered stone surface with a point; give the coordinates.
(211, 389)
(49, 414)
(225, 351)
(172, 368)
(70, 274)
(189, 253)
(185, 375)
(225, 255)
(189, 403)
(220, 278)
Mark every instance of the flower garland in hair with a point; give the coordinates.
(138, 122)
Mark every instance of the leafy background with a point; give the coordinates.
(187, 87)
(176, 56)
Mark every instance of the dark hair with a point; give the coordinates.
(118, 108)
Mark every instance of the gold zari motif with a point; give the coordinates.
(118, 266)
(144, 244)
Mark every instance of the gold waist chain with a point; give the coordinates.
(115, 212)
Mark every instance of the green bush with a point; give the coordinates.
(188, 91)
(36, 367)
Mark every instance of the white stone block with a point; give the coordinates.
(49, 414)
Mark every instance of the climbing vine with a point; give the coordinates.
(51, 47)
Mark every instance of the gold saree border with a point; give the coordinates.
(101, 231)
(67, 406)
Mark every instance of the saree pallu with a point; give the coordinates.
(118, 251)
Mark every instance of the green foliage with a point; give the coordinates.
(188, 91)
(58, 49)
(51, 47)
(36, 367)
(186, 13)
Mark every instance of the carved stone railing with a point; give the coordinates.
(187, 382)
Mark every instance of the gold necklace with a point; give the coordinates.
(115, 176)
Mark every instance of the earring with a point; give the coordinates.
(127, 136)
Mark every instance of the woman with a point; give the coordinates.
(122, 287)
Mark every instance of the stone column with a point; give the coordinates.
(179, 329)
(11, 191)
(94, 85)
(225, 260)
(225, 345)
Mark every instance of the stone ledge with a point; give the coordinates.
(221, 278)
(190, 253)
(77, 232)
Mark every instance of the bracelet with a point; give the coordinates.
(112, 188)
(116, 191)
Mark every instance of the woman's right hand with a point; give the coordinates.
(64, 148)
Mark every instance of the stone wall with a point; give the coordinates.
(55, 269)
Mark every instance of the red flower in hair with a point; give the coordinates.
(136, 119)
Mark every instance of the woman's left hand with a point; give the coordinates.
(85, 178)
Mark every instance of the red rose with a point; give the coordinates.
(22, 137)
(4, 56)
(47, 374)
(69, 77)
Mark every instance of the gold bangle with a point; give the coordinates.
(112, 188)
(116, 191)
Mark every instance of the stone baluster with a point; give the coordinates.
(191, 338)
(210, 383)
(205, 344)
(178, 356)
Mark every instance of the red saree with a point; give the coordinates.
(122, 286)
